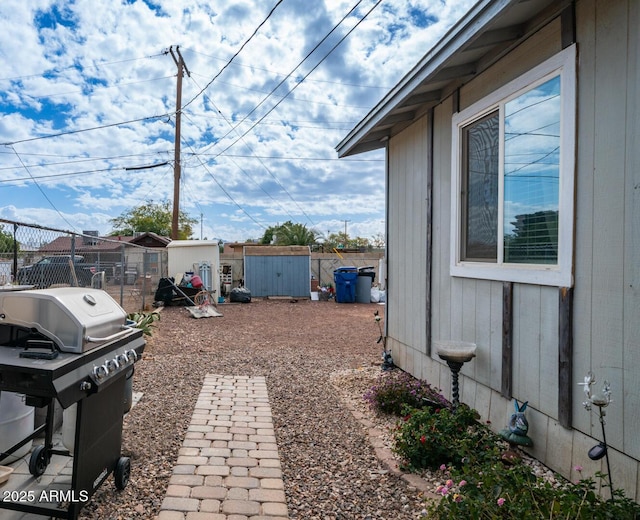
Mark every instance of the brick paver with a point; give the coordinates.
(228, 466)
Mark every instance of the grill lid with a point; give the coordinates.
(77, 319)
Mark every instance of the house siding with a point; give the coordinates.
(407, 315)
(606, 303)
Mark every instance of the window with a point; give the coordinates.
(512, 194)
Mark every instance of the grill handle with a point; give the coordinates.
(93, 339)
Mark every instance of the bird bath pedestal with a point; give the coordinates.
(456, 354)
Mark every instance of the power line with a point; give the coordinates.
(253, 67)
(71, 132)
(42, 191)
(314, 68)
(224, 190)
(263, 165)
(282, 82)
(234, 56)
(250, 178)
(75, 67)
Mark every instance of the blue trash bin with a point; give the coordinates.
(345, 279)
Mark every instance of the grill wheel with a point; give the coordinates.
(39, 461)
(122, 472)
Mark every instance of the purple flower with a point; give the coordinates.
(500, 501)
(443, 467)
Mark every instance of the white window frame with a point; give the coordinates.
(560, 274)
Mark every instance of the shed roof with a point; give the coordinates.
(485, 34)
(277, 251)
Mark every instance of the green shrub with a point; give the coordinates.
(396, 389)
(494, 490)
(430, 437)
(477, 484)
(144, 321)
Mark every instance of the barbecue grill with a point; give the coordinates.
(73, 345)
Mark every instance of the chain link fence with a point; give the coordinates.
(128, 268)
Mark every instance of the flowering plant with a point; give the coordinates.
(494, 490)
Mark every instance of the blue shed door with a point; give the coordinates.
(278, 275)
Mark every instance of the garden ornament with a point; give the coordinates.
(518, 427)
(518, 423)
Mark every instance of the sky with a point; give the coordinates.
(88, 109)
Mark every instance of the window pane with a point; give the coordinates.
(480, 192)
(531, 175)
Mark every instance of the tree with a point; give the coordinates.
(379, 241)
(290, 234)
(6, 241)
(152, 218)
(343, 241)
(267, 238)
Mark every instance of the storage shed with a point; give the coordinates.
(202, 257)
(278, 270)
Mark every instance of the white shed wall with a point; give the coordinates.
(183, 254)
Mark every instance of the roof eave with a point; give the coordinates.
(437, 74)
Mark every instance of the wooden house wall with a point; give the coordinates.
(606, 312)
(407, 194)
(607, 251)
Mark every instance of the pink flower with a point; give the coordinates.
(578, 468)
(463, 483)
(443, 467)
(445, 490)
(449, 483)
(500, 501)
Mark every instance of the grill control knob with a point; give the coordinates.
(131, 354)
(112, 364)
(85, 385)
(122, 359)
(100, 372)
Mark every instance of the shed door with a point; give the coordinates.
(277, 275)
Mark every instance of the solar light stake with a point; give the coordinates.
(601, 400)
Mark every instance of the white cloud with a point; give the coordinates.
(69, 67)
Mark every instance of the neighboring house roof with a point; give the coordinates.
(103, 244)
(485, 34)
(150, 239)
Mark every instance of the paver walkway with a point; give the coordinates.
(228, 467)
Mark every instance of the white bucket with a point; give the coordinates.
(16, 423)
(69, 427)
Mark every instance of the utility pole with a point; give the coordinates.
(345, 232)
(179, 61)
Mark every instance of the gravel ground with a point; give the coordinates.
(316, 357)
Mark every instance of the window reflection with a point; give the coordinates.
(531, 175)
